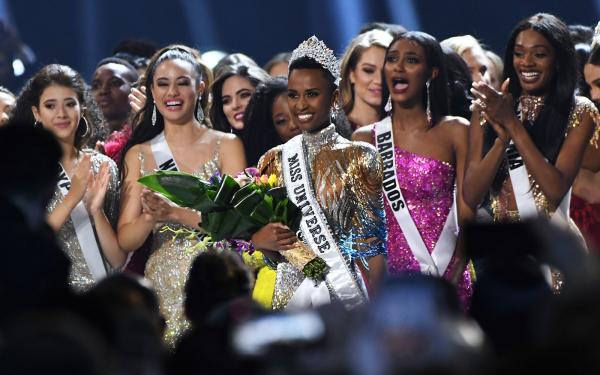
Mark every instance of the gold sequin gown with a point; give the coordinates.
(80, 277)
(346, 178)
(499, 201)
(170, 261)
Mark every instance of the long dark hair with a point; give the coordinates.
(548, 130)
(254, 74)
(438, 89)
(259, 134)
(143, 129)
(65, 76)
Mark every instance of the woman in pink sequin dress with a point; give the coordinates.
(429, 149)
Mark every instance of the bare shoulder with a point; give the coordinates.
(454, 126)
(228, 141)
(364, 133)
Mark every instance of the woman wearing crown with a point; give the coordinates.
(337, 185)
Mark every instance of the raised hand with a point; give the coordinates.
(97, 186)
(79, 180)
(274, 237)
(137, 98)
(495, 107)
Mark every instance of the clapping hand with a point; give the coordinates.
(157, 206)
(97, 185)
(496, 107)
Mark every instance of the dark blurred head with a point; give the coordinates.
(267, 119)
(391, 28)
(53, 342)
(230, 60)
(35, 171)
(278, 65)
(136, 52)
(459, 84)
(214, 279)
(581, 34)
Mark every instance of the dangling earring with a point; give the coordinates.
(388, 105)
(428, 110)
(154, 114)
(87, 126)
(37, 124)
(333, 113)
(199, 111)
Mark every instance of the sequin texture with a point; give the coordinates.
(80, 277)
(346, 178)
(428, 188)
(169, 265)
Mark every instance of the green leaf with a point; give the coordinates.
(181, 188)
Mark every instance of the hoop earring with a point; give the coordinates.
(428, 109)
(154, 114)
(87, 126)
(199, 111)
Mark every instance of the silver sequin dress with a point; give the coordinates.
(80, 277)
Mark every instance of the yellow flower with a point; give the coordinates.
(272, 180)
(264, 179)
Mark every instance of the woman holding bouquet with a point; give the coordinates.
(336, 184)
(169, 136)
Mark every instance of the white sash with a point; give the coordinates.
(519, 178)
(162, 153)
(315, 232)
(84, 231)
(430, 264)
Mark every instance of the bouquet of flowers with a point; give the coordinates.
(233, 208)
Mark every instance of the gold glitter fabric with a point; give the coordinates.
(346, 178)
(170, 262)
(80, 277)
(530, 108)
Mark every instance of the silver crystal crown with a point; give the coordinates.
(318, 51)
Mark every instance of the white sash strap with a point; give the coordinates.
(439, 259)
(162, 153)
(519, 178)
(84, 231)
(315, 232)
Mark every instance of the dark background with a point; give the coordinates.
(81, 32)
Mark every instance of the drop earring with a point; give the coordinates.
(154, 114)
(199, 111)
(388, 105)
(428, 109)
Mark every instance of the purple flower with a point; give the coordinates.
(215, 178)
(252, 172)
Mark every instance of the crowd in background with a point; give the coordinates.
(93, 282)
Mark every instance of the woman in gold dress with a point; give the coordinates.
(528, 160)
(337, 185)
(169, 136)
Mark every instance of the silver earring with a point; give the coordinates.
(199, 111)
(388, 105)
(37, 124)
(428, 109)
(87, 126)
(154, 114)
